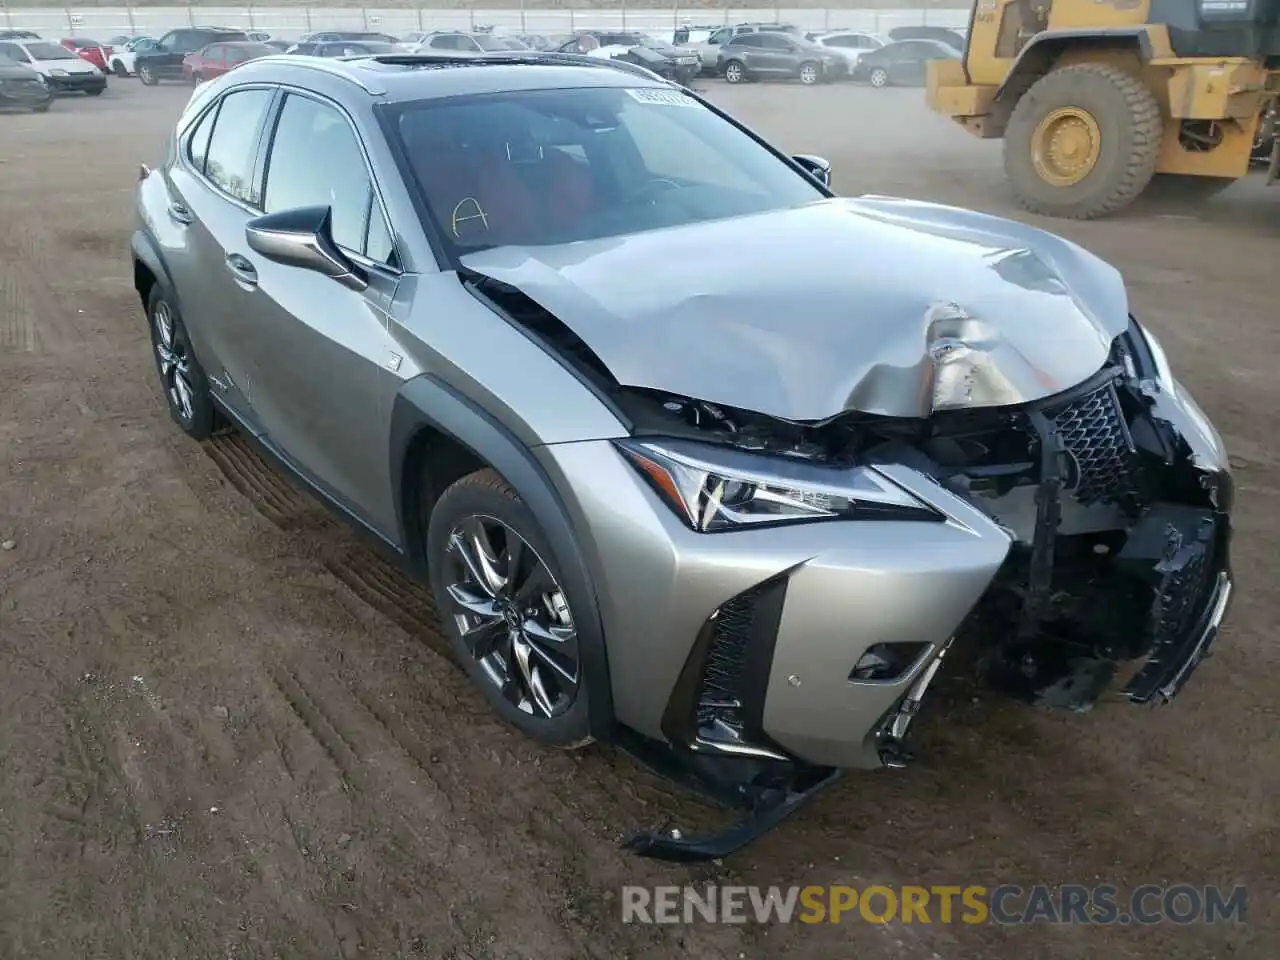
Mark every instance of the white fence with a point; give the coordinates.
(287, 22)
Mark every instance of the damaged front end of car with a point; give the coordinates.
(1115, 498)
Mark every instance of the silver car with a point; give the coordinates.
(698, 457)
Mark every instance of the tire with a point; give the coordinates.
(96, 93)
(735, 72)
(177, 360)
(43, 108)
(118, 69)
(1128, 125)
(147, 76)
(810, 73)
(484, 497)
(879, 77)
(197, 79)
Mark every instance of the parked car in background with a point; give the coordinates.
(771, 55)
(535, 41)
(91, 50)
(21, 88)
(164, 60)
(709, 49)
(217, 58)
(409, 41)
(460, 42)
(278, 46)
(258, 36)
(19, 35)
(63, 71)
(668, 61)
(848, 44)
(333, 36)
(954, 38)
(345, 48)
(123, 59)
(901, 63)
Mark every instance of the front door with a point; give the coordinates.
(321, 352)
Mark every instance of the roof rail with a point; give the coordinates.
(326, 65)
(514, 58)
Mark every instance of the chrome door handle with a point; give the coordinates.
(180, 213)
(242, 269)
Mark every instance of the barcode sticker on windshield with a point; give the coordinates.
(665, 98)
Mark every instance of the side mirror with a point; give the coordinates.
(303, 238)
(817, 167)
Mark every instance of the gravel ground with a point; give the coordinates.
(227, 731)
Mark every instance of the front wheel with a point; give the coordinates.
(879, 77)
(186, 389)
(734, 72)
(96, 91)
(1083, 141)
(809, 74)
(42, 108)
(118, 69)
(147, 76)
(509, 619)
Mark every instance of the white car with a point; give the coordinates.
(849, 44)
(63, 71)
(409, 42)
(123, 57)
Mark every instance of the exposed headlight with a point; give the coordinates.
(714, 489)
(1163, 373)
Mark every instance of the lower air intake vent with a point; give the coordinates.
(721, 693)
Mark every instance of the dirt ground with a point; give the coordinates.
(226, 731)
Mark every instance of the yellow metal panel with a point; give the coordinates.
(1230, 158)
(1213, 89)
(1075, 14)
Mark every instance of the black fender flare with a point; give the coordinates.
(146, 252)
(1042, 49)
(427, 402)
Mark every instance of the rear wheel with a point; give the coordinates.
(1083, 141)
(147, 75)
(879, 77)
(809, 74)
(96, 91)
(186, 389)
(734, 72)
(118, 69)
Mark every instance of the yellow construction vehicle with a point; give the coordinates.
(1098, 100)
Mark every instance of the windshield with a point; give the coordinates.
(556, 166)
(49, 51)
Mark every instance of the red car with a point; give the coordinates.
(91, 50)
(217, 58)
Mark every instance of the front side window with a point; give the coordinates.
(316, 161)
(233, 144)
(557, 166)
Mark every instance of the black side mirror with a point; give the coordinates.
(817, 167)
(303, 238)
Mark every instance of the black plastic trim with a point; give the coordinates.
(426, 402)
(147, 252)
(1050, 41)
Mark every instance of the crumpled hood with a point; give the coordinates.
(873, 304)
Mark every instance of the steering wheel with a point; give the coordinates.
(648, 191)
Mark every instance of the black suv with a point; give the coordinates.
(664, 59)
(164, 60)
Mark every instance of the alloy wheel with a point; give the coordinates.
(513, 616)
(879, 78)
(174, 358)
(733, 73)
(808, 74)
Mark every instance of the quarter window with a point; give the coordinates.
(233, 145)
(316, 161)
(198, 144)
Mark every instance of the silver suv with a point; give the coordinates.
(697, 456)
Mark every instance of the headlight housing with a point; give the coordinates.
(1152, 362)
(716, 489)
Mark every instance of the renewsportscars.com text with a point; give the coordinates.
(1006, 904)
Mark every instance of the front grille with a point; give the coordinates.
(721, 692)
(1094, 433)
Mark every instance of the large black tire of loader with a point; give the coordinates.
(1129, 126)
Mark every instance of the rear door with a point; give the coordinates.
(216, 191)
(323, 360)
(776, 54)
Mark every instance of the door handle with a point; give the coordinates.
(242, 269)
(179, 213)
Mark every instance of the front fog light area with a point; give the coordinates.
(885, 662)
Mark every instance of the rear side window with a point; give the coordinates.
(316, 161)
(233, 145)
(198, 143)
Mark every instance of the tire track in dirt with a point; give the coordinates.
(264, 487)
(17, 315)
